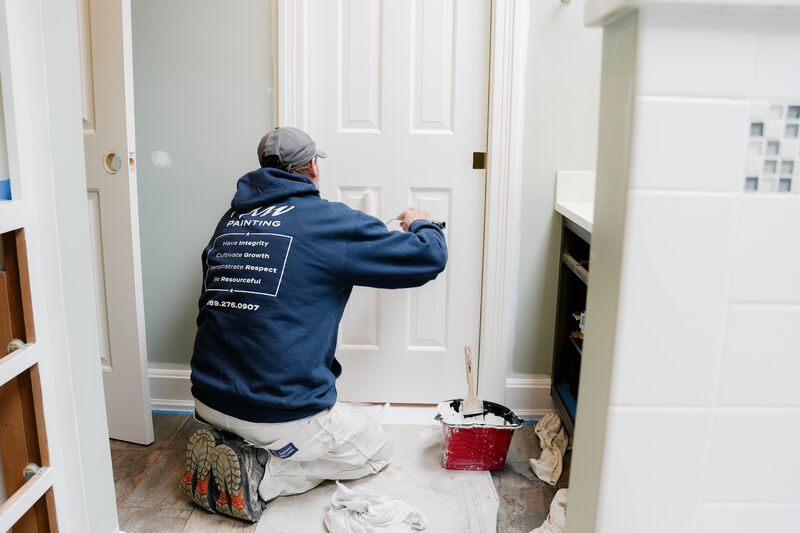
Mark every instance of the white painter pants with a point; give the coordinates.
(337, 443)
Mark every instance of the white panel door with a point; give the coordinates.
(114, 214)
(397, 96)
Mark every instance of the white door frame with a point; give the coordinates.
(24, 84)
(509, 36)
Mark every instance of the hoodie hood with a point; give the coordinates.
(269, 186)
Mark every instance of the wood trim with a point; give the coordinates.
(14, 214)
(21, 442)
(16, 363)
(529, 396)
(12, 267)
(503, 192)
(25, 285)
(19, 445)
(23, 57)
(291, 26)
(38, 409)
(50, 501)
(6, 330)
(29, 494)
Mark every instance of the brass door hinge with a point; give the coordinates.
(478, 160)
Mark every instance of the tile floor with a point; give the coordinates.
(146, 503)
(524, 499)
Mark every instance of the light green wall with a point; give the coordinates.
(203, 94)
(561, 101)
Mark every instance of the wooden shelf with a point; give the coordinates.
(566, 405)
(573, 282)
(575, 267)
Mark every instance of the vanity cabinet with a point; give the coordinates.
(573, 275)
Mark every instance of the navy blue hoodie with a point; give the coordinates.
(277, 275)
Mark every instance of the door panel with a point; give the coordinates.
(99, 279)
(113, 206)
(359, 329)
(398, 96)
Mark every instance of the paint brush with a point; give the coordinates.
(472, 405)
(442, 224)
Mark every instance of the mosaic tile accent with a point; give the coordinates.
(773, 151)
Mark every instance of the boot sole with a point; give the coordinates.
(228, 477)
(200, 458)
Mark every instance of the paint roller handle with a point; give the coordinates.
(470, 381)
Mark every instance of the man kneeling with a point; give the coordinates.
(277, 274)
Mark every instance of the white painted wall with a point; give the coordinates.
(693, 360)
(562, 94)
(203, 99)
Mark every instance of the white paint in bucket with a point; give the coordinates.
(447, 414)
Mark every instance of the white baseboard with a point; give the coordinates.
(170, 390)
(529, 397)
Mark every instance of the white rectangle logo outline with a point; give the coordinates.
(247, 234)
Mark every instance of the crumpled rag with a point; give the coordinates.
(553, 441)
(364, 511)
(557, 518)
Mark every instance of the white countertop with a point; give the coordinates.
(601, 12)
(575, 197)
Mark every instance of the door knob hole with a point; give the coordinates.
(113, 162)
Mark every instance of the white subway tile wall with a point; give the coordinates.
(678, 56)
(661, 446)
(766, 260)
(737, 518)
(672, 291)
(762, 334)
(707, 363)
(776, 76)
(688, 144)
(752, 457)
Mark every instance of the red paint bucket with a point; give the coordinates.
(474, 443)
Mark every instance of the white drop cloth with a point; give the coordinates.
(557, 519)
(361, 510)
(553, 441)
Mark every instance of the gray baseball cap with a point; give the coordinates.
(287, 148)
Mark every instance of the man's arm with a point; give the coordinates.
(377, 257)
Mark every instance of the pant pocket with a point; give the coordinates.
(359, 431)
(307, 442)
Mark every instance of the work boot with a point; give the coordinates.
(198, 481)
(238, 470)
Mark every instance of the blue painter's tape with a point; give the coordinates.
(569, 400)
(5, 189)
(285, 452)
(172, 412)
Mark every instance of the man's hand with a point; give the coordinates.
(410, 215)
